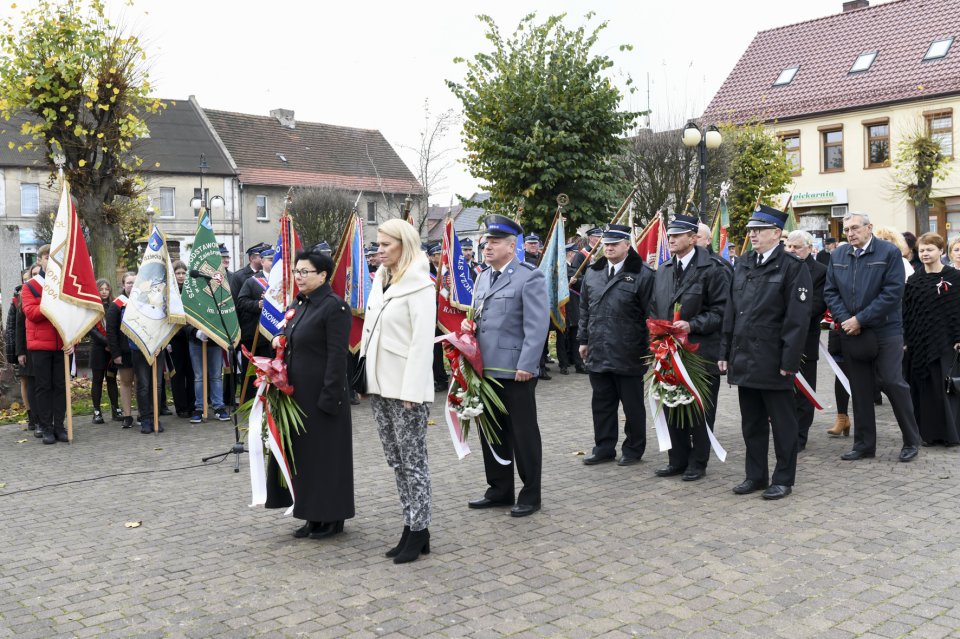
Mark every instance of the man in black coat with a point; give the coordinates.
(823, 255)
(800, 243)
(700, 283)
(764, 328)
(567, 345)
(254, 266)
(614, 300)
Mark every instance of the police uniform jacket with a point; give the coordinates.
(613, 316)
(702, 297)
(818, 306)
(766, 321)
(513, 319)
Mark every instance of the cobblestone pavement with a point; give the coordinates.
(861, 549)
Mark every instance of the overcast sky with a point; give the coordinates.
(372, 64)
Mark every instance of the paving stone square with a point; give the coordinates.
(861, 549)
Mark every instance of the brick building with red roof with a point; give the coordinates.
(842, 91)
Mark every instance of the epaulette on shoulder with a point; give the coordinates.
(528, 265)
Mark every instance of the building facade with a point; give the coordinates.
(843, 92)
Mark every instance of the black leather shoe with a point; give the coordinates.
(749, 486)
(628, 461)
(693, 475)
(327, 529)
(669, 471)
(306, 529)
(60, 434)
(483, 502)
(522, 510)
(165, 412)
(908, 453)
(856, 454)
(545, 376)
(597, 459)
(581, 370)
(776, 491)
(564, 371)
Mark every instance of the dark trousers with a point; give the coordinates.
(181, 382)
(439, 372)
(519, 442)
(843, 397)
(887, 370)
(689, 444)
(609, 391)
(230, 377)
(49, 401)
(808, 368)
(568, 350)
(762, 411)
(142, 371)
(99, 376)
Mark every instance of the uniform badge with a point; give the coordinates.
(803, 294)
(289, 314)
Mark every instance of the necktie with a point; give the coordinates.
(679, 271)
(610, 273)
(759, 259)
(858, 252)
(493, 277)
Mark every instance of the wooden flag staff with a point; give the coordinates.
(66, 386)
(203, 349)
(156, 407)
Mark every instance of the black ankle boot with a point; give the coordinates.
(418, 542)
(307, 528)
(48, 436)
(327, 529)
(393, 552)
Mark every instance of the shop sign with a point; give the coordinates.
(819, 198)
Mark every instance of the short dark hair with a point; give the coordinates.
(321, 261)
(180, 264)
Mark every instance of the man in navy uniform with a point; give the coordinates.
(764, 329)
(253, 267)
(700, 283)
(614, 300)
(466, 245)
(511, 322)
(531, 249)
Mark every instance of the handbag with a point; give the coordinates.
(358, 381)
(862, 347)
(952, 381)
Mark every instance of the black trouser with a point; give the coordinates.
(609, 391)
(568, 350)
(49, 401)
(808, 368)
(888, 372)
(142, 371)
(98, 376)
(230, 378)
(181, 382)
(689, 443)
(843, 397)
(762, 411)
(439, 372)
(519, 443)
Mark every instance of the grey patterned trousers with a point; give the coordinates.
(403, 434)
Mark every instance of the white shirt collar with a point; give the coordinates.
(766, 255)
(686, 259)
(865, 246)
(616, 267)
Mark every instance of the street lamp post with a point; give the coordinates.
(201, 202)
(703, 140)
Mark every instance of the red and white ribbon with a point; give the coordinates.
(258, 474)
(807, 391)
(835, 368)
(660, 421)
(460, 446)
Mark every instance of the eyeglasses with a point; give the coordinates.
(855, 227)
(302, 272)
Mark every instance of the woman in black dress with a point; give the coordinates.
(931, 327)
(102, 368)
(317, 334)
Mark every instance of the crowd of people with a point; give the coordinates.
(889, 302)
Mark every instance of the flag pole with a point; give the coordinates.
(616, 218)
(66, 386)
(156, 408)
(246, 372)
(203, 348)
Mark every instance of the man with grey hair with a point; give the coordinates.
(864, 291)
(800, 243)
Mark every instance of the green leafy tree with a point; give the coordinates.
(919, 162)
(756, 166)
(542, 118)
(79, 85)
(320, 213)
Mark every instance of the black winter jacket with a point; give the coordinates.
(119, 343)
(613, 316)
(702, 297)
(766, 321)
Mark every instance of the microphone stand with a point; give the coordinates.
(238, 448)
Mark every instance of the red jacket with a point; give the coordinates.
(41, 334)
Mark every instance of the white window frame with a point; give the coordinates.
(787, 75)
(863, 62)
(173, 202)
(372, 208)
(940, 51)
(266, 210)
(23, 198)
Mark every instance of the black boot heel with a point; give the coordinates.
(393, 552)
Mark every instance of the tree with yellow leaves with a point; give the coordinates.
(78, 87)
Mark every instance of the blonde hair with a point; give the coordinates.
(892, 235)
(403, 232)
(953, 243)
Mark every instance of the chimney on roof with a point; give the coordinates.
(284, 117)
(853, 5)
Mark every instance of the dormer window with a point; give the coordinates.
(863, 62)
(282, 157)
(786, 76)
(938, 49)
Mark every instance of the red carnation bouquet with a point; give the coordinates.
(678, 375)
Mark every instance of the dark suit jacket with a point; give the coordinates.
(818, 306)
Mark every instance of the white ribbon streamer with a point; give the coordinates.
(835, 367)
(258, 472)
(809, 392)
(453, 426)
(715, 445)
(659, 423)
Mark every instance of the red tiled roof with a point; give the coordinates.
(900, 31)
(315, 154)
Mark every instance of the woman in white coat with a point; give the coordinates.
(398, 333)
